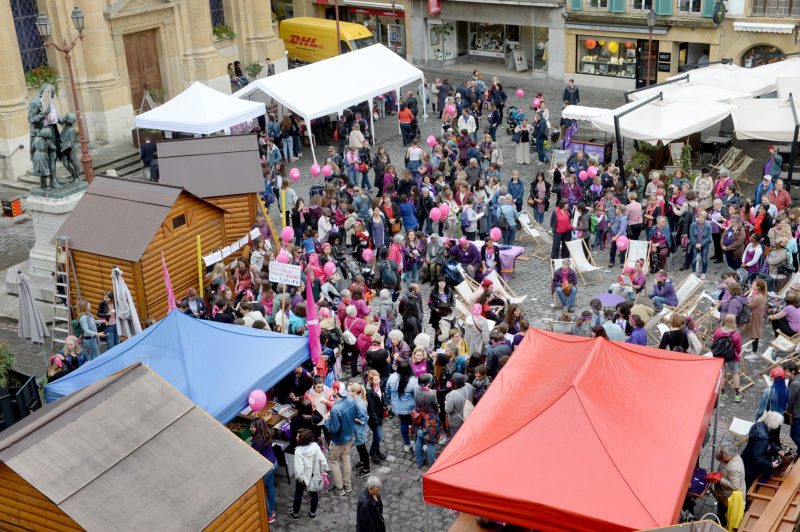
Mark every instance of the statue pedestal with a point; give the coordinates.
(49, 208)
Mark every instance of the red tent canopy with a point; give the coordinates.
(580, 434)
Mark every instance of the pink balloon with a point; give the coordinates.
(283, 258)
(444, 209)
(495, 233)
(462, 240)
(520, 93)
(451, 109)
(326, 171)
(367, 255)
(477, 309)
(329, 268)
(257, 400)
(294, 173)
(431, 141)
(592, 171)
(536, 102)
(287, 234)
(583, 175)
(315, 170)
(436, 214)
(622, 242)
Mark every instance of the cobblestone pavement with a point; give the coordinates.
(402, 491)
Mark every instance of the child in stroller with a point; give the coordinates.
(514, 119)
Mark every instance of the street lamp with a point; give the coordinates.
(44, 28)
(651, 22)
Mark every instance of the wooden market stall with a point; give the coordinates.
(129, 452)
(129, 223)
(224, 170)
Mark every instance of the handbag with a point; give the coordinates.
(416, 417)
(516, 137)
(317, 482)
(396, 227)
(787, 418)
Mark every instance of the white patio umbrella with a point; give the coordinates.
(770, 73)
(690, 92)
(663, 120)
(127, 318)
(728, 77)
(788, 84)
(31, 324)
(765, 119)
(582, 112)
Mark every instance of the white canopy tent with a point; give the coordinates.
(582, 112)
(690, 91)
(332, 85)
(663, 120)
(764, 119)
(726, 76)
(770, 72)
(200, 109)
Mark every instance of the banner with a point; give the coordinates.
(434, 7)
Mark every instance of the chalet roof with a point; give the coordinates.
(130, 452)
(118, 217)
(223, 165)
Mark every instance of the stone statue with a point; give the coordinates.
(44, 153)
(68, 156)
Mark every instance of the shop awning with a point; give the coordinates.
(763, 27)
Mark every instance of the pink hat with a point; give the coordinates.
(777, 371)
(486, 283)
(325, 312)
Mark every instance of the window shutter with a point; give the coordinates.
(576, 5)
(708, 8)
(663, 7)
(616, 6)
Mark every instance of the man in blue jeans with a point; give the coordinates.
(565, 285)
(341, 421)
(540, 134)
(793, 404)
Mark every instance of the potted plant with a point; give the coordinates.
(41, 75)
(253, 69)
(223, 31)
(19, 395)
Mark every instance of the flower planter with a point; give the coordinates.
(19, 399)
(155, 136)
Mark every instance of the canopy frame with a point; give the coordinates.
(618, 135)
(793, 153)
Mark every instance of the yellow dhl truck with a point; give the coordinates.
(310, 39)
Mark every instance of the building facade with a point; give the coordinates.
(130, 47)
(526, 36)
(756, 32)
(389, 22)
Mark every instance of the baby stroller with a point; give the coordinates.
(514, 119)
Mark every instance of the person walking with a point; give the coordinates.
(458, 402)
(429, 428)
(572, 95)
(540, 134)
(523, 134)
(400, 390)
(262, 443)
(309, 463)
(369, 511)
(340, 422)
(356, 391)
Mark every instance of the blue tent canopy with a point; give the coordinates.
(216, 365)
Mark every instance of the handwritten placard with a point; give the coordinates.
(284, 273)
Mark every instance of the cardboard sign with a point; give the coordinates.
(288, 274)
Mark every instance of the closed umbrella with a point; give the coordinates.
(127, 317)
(31, 323)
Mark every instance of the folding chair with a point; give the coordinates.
(466, 291)
(512, 297)
(728, 159)
(638, 250)
(781, 344)
(705, 322)
(555, 264)
(740, 430)
(563, 327)
(739, 173)
(675, 149)
(785, 289)
(685, 291)
(578, 253)
(541, 251)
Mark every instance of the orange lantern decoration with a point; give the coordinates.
(590, 44)
(628, 44)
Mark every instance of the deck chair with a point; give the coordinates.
(785, 289)
(461, 308)
(728, 159)
(638, 250)
(675, 149)
(580, 263)
(739, 174)
(706, 321)
(466, 291)
(563, 327)
(740, 430)
(555, 264)
(786, 345)
(512, 297)
(686, 293)
(541, 251)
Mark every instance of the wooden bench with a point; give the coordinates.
(774, 503)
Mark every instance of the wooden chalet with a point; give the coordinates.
(129, 452)
(224, 170)
(128, 223)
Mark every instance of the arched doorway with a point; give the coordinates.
(761, 55)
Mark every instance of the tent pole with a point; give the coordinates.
(794, 142)
(424, 100)
(399, 129)
(618, 139)
(714, 434)
(427, 518)
(372, 119)
(310, 139)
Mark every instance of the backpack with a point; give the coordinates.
(502, 223)
(349, 337)
(77, 330)
(723, 347)
(744, 316)
(465, 220)
(388, 275)
(593, 222)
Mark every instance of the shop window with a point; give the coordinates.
(601, 56)
(217, 12)
(776, 8)
(441, 41)
(486, 39)
(761, 55)
(689, 6)
(541, 49)
(598, 4)
(642, 5)
(30, 44)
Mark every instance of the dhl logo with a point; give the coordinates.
(310, 42)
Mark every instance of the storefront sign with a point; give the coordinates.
(486, 54)
(664, 56)
(663, 67)
(378, 12)
(434, 7)
(362, 11)
(284, 273)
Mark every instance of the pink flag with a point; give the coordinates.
(312, 321)
(168, 285)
